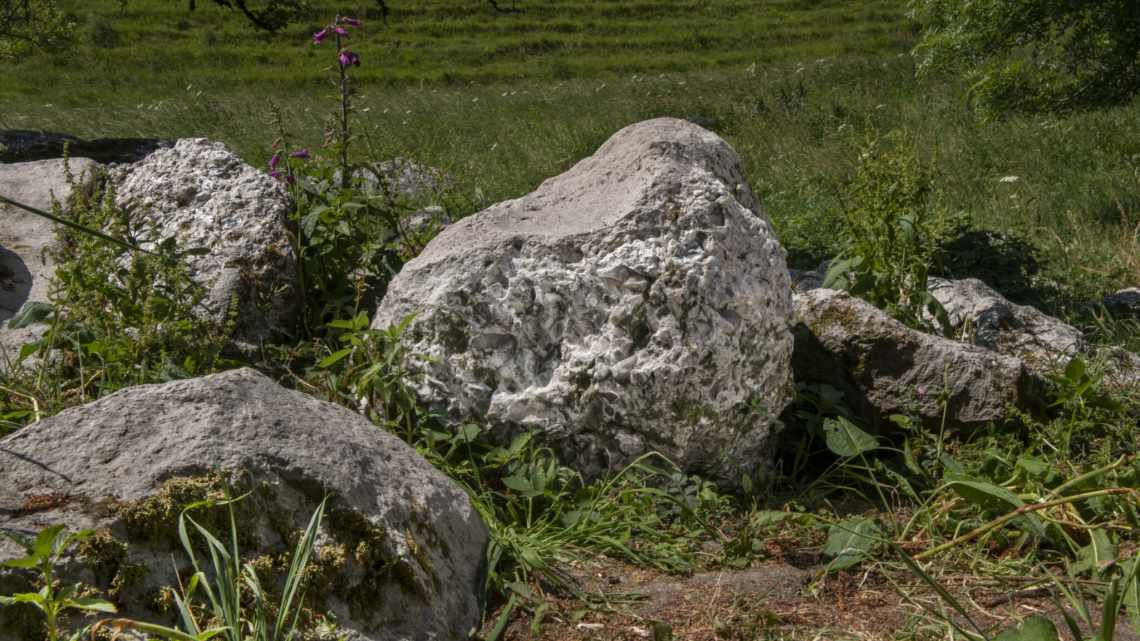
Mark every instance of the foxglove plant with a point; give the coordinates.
(345, 58)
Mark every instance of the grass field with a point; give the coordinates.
(501, 101)
(504, 100)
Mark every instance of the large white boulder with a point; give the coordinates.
(202, 194)
(638, 302)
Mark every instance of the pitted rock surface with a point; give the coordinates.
(984, 317)
(25, 267)
(640, 301)
(401, 549)
(885, 367)
(205, 196)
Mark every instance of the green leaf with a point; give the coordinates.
(91, 605)
(838, 270)
(844, 439)
(334, 358)
(991, 497)
(30, 313)
(24, 563)
(44, 544)
(1097, 556)
(33, 598)
(1035, 628)
(850, 542)
(520, 484)
(1075, 370)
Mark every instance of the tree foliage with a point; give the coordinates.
(1034, 55)
(26, 25)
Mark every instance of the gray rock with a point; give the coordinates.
(805, 281)
(25, 267)
(983, 317)
(205, 196)
(885, 367)
(401, 555)
(1124, 303)
(405, 178)
(638, 302)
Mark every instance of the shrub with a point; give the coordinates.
(892, 232)
(1033, 55)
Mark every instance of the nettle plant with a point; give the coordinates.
(346, 222)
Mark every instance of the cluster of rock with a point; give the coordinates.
(639, 302)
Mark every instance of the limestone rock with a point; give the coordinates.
(25, 268)
(401, 550)
(640, 301)
(984, 317)
(205, 196)
(885, 367)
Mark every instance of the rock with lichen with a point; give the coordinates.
(980, 315)
(401, 549)
(638, 302)
(885, 367)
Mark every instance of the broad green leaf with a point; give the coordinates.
(91, 605)
(991, 497)
(520, 484)
(844, 439)
(768, 518)
(838, 270)
(33, 598)
(31, 313)
(23, 563)
(850, 542)
(1035, 628)
(334, 358)
(44, 544)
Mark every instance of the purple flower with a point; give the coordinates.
(303, 154)
(290, 179)
(352, 22)
(275, 174)
(274, 160)
(347, 57)
(921, 391)
(341, 31)
(320, 36)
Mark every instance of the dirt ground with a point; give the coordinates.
(770, 600)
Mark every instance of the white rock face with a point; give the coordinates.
(205, 196)
(638, 302)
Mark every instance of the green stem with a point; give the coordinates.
(1021, 511)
